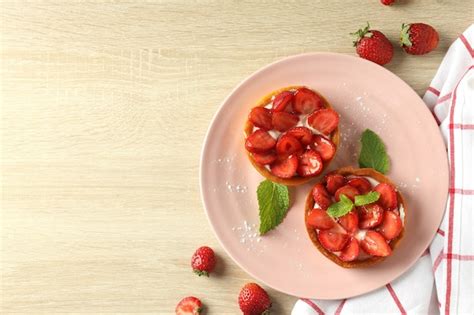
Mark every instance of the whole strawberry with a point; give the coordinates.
(373, 45)
(189, 306)
(253, 300)
(203, 261)
(418, 38)
(387, 2)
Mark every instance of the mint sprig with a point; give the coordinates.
(373, 153)
(273, 204)
(345, 205)
(340, 208)
(362, 200)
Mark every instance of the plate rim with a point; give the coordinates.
(249, 78)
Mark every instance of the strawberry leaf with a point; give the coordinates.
(405, 35)
(362, 200)
(273, 204)
(372, 153)
(340, 208)
(361, 33)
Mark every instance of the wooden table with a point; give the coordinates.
(104, 107)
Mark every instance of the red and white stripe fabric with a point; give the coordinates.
(442, 281)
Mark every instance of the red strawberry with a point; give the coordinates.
(265, 158)
(261, 117)
(387, 2)
(332, 241)
(310, 164)
(351, 252)
(388, 196)
(253, 300)
(350, 222)
(283, 121)
(391, 225)
(418, 38)
(373, 45)
(374, 244)
(362, 184)
(321, 196)
(259, 142)
(370, 215)
(334, 182)
(319, 219)
(283, 102)
(303, 134)
(306, 101)
(347, 190)
(324, 120)
(285, 168)
(287, 145)
(203, 261)
(189, 306)
(325, 147)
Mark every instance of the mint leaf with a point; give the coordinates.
(273, 203)
(362, 200)
(372, 153)
(340, 208)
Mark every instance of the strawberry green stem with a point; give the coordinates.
(405, 35)
(201, 273)
(361, 33)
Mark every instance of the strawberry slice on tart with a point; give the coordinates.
(292, 135)
(350, 226)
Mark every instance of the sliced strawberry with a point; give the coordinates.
(189, 306)
(391, 225)
(347, 190)
(350, 222)
(265, 158)
(374, 244)
(306, 101)
(310, 164)
(332, 241)
(319, 219)
(324, 120)
(287, 145)
(259, 142)
(351, 251)
(334, 182)
(388, 196)
(261, 117)
(282, 121)
(321, 196)
(283, 102)
(362, 184)
(303, 134)
(325, 147)
(370, 216)
(285, 168)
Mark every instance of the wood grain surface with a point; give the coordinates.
(104, 107)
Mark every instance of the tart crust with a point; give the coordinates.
(296, 180)
(346, 171)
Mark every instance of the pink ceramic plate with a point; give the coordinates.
(366, 96)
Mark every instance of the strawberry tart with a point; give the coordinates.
(364, 231)
(292, 135)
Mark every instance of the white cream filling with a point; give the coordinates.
(274, 133)
(360, 235)
(401, 210)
